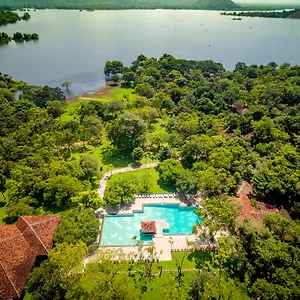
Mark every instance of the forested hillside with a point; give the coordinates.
(120, 4)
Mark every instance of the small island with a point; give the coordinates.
(17, 37)
(292, 14)
(9, 17)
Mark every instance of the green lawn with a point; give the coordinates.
(107, 157)
(2, 209)
(154, 183)
(108, 93)
(190, 259)
(70, 109)
(2, 213)
(115, 93)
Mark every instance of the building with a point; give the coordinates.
(148, 227)
(21, 245)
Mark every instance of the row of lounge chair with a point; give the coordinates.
(155, 195)
(206, 247)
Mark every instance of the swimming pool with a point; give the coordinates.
(120, 229)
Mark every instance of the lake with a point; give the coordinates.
(75, 45)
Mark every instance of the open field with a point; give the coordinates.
(108, 93)
(148, 177)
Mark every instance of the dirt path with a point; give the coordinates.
(105, 177)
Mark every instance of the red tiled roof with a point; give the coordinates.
(39, 231)
(148, 227)
(20, 244)
(247, 211)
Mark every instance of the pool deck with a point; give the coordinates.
(140, 200)
(163, 243)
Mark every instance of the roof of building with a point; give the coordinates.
(148, 227)
(20, 244)
(245, 188)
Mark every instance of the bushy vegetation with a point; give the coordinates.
(21, 37)
(38, 174)
(7, 17)
(17, 37)
(77, 226)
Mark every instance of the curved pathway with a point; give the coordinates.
(105, 177)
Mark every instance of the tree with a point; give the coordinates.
(18, 37)
(145, 89)
(113, 67)
(108, 280)
(56, 108)
(26, 16)
(65, 265)
(77, 225)
(66, 84)
(271, 267)
(115, 78)
(137, 154)
(169, 170)
(121, 192)
(89, 168)
(60, 189)
(93, 127)
(187, 183)
(41, 95)
(87, 199)
(126, 132)
(206, 285)
(217, 213)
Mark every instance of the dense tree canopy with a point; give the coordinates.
(225, 126)
(78, 226)
(210, 127)
(7, 17)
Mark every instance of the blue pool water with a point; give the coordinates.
(119, 230)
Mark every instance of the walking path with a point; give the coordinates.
(105, 177)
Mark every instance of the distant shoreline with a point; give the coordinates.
(283, 14)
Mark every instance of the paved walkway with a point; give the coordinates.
(105, 177)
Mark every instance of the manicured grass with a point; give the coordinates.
(2, 209)
(154, 183)
(2, 213)
(161, 287)
(191, 260)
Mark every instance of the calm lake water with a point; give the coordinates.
(75, 45)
